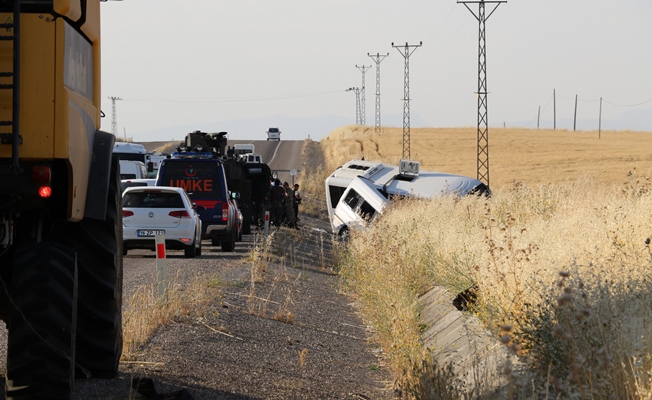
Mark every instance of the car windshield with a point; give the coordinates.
(152, 199)
(273, 130)
(131, 156)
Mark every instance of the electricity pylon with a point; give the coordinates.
(406, 53)
(357, 103)
(114, 117)
(363, 117)
(483, 118)
(377, 59)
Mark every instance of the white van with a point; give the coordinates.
(132, 170)
(388, 180)
(156, 160)
(273, 134)
(243, 148)
(131, 151)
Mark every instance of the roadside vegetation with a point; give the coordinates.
(145, 312)
(563, 270)
(312, 178)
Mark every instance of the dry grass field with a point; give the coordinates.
(532, 157)
(560, 256)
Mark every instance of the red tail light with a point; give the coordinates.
(225, 211)
(41, 175)
(45, 192)
(127, 213)
(179, 214)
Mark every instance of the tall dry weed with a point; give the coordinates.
(563, 201)
(311, 180)
(145, 312)
(586, 337)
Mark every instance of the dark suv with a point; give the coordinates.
(203, 179)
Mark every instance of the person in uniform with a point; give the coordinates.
(276, 197)
(296, 200)
(288, 211)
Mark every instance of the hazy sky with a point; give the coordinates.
(202, 61)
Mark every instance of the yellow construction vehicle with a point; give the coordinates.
(60, 209)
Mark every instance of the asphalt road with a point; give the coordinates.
(282, 156)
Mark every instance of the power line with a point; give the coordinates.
(234, 100)
(631, 105)
(608, 102)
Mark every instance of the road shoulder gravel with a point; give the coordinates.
(280, 330)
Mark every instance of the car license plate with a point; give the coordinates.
(149, 232)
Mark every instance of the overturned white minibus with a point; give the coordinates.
(358, 191)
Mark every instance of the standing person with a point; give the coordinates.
(296, 200)
(276, 196)
(288, 212)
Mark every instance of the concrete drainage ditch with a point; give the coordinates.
(457, 338)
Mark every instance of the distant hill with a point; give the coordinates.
(161, 147)
(316, 128)
(254, 129)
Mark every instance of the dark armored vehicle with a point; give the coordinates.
(251, 180)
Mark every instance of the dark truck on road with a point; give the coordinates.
(250, 179)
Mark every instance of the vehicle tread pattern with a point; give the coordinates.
(99, 246)
(41, 340)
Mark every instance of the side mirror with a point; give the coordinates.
(235, 195)
(150, 167)
(199, 208)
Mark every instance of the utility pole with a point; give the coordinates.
(407, 51)
(600, 120)
(538, 117)
(377, 59)
(114, 117)
(575, 115)
(554, 109)
(357, 103)
(363, 118)
(483, 119)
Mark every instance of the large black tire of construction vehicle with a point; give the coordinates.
(41, 340)
(228, 240)
(99, 252)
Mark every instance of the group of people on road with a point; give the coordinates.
(283, 203)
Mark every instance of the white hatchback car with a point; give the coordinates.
(151, 210)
